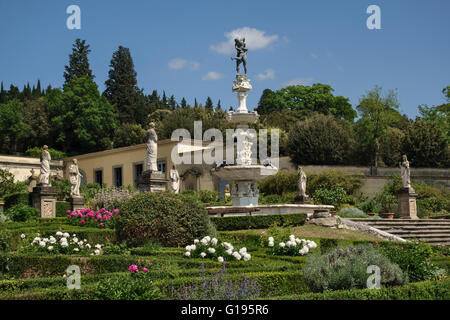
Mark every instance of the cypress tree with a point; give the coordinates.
(78, 62)
(3, 95)
(209, 104)
(122, 90)
(183, 103)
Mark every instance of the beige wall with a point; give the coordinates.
(21, 167)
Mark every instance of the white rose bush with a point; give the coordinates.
(211, 248)
(60, 243)
(292, 247)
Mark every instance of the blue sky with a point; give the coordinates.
(182, 46)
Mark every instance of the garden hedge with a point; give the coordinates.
(15, 199)
(426, 290)
(258, 221)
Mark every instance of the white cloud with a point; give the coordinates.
(255, 39)
(314, 56)
(179, 63)
(269, 74)
(212, 75)
(299, 82)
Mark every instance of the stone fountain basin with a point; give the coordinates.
(244, 173)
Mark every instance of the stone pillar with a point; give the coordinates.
(77, 203)
(43, 198)
(407, 207)
(151, 181)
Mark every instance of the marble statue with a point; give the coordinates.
(45, 167)
(75, 179)
(152, 148)
(301, 182)
(241, 56)
(174, 180)
(405, 172)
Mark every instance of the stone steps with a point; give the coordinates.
(431, 231)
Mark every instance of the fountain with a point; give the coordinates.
(245, 173)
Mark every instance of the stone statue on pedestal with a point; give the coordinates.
(407, 207)
(75, 179)
(302, 197)
(405, 173)
(152, 148)
(174, 180)
(45, 167)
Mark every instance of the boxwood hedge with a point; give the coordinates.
(258, 221)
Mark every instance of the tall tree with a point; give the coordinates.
(82, 120)
(78, 62)
(377, 113)
(219, 106)
(122, 90)
(183, 103)
(209, 104)
(12, 126)
(3, 94)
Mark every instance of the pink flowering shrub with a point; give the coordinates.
(87, 217)
(135, 269)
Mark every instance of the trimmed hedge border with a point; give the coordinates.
(258, 221)
(426, 290)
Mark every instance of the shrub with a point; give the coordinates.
(346, 268)
(62, 207)
(170, 219)
(369, 206)
(135, 286)
(350, 212)
(13, 199)
(211, 248)
(89, 190)
(270, 199)
(413, 258)
(111, 198)
(7, 184)
(332, 179)
(292, 247)
(36, 153)
(335, 197)
(327, 245)
(62, 188)
(21, 213)
(5, 241)
(207, 196)
(279, 183)
(258, 221)
(90, 218)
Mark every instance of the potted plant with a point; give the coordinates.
(387, 203)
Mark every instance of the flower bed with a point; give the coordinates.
(293, 247)
(211, 248)
(90, 218)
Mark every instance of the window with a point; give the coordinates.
(118, 177)
(162, 166)
(138, 168)
(98, 176)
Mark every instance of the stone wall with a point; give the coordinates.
(374, 180)
(20, 167)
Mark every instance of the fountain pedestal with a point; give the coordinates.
(245, 173)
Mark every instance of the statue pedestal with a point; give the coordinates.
(407, 207)
(77, 203)
(151, 181)
(43, 198)
(300, 199)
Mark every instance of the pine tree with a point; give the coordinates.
(209, 104)
(122, 90)
(3, 95)
(183, 103)
(195, 103)
(78, 62)
(172, 103)
(219, 106)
